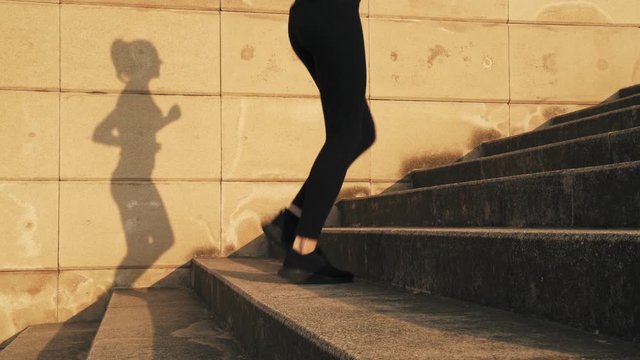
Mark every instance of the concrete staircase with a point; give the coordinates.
(527, 248)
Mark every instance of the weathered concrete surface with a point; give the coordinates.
(161, 324)
(361, 320)
(52, 342)
(603, 196)
(584, 278)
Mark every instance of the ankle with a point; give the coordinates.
(304, 245)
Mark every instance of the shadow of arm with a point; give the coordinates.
(103, 133)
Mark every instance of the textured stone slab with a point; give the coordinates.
(29, 135)
(161, 324)
(276, 320)
(257, 57)
(29, 225)
(602, 196)
(176, 52)
(584, 278)
(450, 53)
(598, 61)
(275, 138)
(135, 136)
(52, 342)
(137, 224)
(30, 46)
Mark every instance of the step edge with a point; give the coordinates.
(284, 320)
(631, 108)
(529, 150)
(561, 172)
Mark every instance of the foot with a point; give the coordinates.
(313, 268)
(281, 230)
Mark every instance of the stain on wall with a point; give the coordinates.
(572, 11)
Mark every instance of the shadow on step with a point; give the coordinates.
(437, 316)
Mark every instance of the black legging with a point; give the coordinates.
(327, 36)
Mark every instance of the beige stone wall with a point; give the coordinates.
(110, 181)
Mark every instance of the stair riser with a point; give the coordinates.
(592, 151)
(581, 198)
(261, 333)
(630, 99)
(589, 282)
(613, 121)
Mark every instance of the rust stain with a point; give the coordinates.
(435, 53)
(204, 252)
(553, 111)
(481, 135)
(247, 52)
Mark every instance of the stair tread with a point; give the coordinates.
(161, 323)
(52, 341)
(628, 164)
(532, 149)
(372, 321)
(563, 124)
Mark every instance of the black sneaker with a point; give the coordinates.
(281, 231)
(313, 268)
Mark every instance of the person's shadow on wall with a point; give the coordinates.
(132, 127)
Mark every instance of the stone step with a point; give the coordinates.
(363, 320)
(608, 148)
(621, 119)
(601, 196)
(623, 93)
(161, 323)
(585, 278)
(52, 342)
(623, 98)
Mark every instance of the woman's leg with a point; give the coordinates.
(368, 132)
(333, 37)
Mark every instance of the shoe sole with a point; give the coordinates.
(298, 276)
